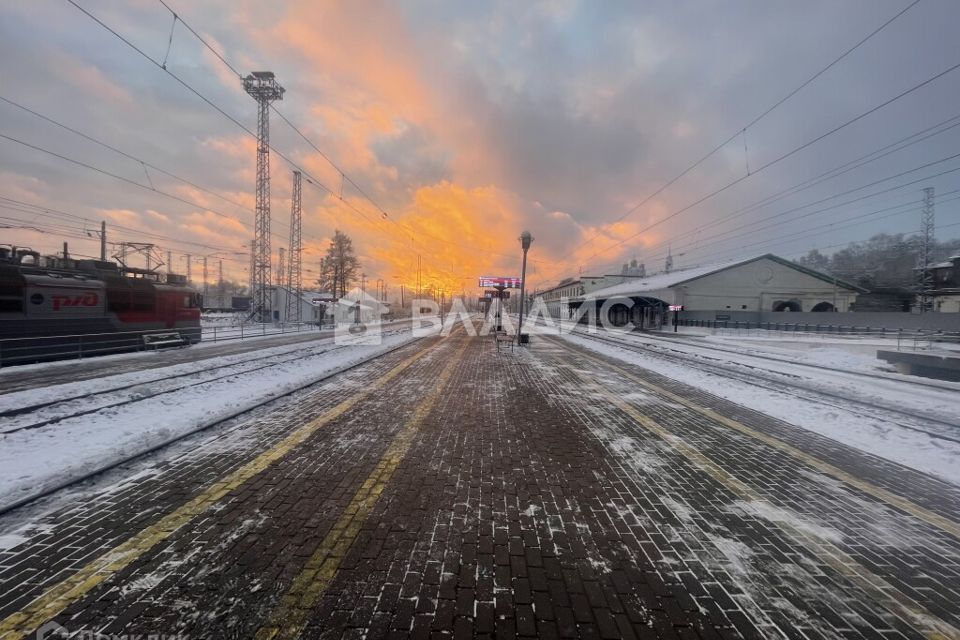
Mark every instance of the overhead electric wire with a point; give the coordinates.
(752, 224)
(754, 229)
(823, 177)
(380, 210)
(847, 244)
(289, 161)
(821, 201)
(802, 234)
(780, 158)
(720, 255)
(757, 119)
(34, 209)
(124, 153)
(91, 167)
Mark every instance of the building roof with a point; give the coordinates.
(662, 281)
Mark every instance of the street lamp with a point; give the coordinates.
(525, 240)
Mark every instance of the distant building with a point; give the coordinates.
(359, 305)
(762, 283)
(945, 295)
(578, 287)
(885, 299)
(314, 305)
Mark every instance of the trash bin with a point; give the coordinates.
(524, 338)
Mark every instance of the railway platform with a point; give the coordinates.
(448, 489)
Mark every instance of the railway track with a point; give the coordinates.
(25, 417)
(930, 384)
(229, 423)
(24, 377)
(933, 426)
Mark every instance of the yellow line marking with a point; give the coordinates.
(293, 611)
(928, 516)
(63, 594)
(876, 587)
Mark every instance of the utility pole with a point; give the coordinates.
(189, 269)
(294, 310)
(220, 288)
(205, 287)
(103, 241)
(169, 261)
(926, 249)
(251, 274)
(264, 88)
(525, 240)
(281, 265)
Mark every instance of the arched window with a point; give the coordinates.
(788, 305)
(823, 306)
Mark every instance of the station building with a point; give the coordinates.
(946, 285)
(313, 305)
(577, 288)
(765, 283)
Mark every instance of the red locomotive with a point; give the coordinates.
(52, 307)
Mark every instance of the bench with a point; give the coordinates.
(157, 340)
(503, 337)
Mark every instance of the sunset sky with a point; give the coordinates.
(468, 122)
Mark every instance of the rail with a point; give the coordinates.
(22, 350)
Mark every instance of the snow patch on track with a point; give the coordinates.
(36, 459)
(884, 439)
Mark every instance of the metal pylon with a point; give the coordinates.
(925, 276)
(294, 309)
(264, 88)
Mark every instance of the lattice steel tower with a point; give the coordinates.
(294, 272)
(925, 276)
(264, 88)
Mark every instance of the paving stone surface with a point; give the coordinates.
(545, 492)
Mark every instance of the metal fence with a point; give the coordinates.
(906, 338)
(15, 351)
(243, 331)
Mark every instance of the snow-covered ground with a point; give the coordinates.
(875, 435)
(33, 460)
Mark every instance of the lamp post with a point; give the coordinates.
(525, 240)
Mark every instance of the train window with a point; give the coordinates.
(11, 305)
(118, 302)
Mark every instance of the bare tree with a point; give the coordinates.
(338, 269)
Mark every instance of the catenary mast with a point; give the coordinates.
(926, 249)
(294, 275)
(264, 88)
